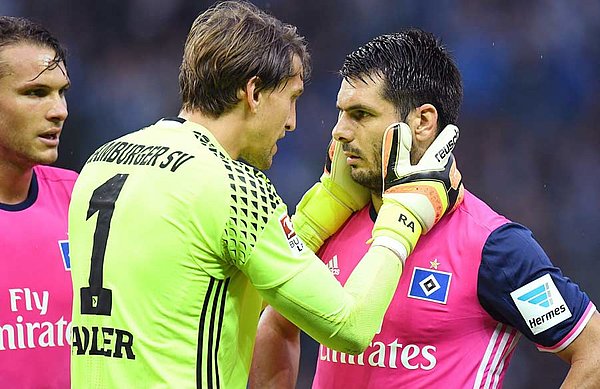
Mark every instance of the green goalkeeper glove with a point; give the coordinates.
(330, 202)
(415, 197)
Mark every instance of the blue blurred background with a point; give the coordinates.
(529, 146)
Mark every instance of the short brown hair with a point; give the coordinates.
(227, 45)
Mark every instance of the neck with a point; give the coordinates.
(226, 129)
(14, 183)
(377, 201)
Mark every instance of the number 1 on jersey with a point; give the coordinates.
(96, 300)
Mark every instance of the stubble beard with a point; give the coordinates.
(370, 179)
(261, 161)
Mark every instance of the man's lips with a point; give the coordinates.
(50, 138)
(351, 158)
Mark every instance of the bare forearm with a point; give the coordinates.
(583, 374)
(276, 353)
(584, 356)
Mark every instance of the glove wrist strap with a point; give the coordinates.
(393, 245)
(398, 223)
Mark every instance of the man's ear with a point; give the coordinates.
(425, 123)
(250, 95)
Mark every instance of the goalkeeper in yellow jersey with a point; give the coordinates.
(178, 240)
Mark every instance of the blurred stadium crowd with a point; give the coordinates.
(530, 139)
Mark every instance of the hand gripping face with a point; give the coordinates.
(430, 188)
(415, 197)
(330, 202)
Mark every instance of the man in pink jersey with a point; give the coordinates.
(474, 284)
(35, 283)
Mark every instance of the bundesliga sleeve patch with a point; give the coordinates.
(541, 305)
(296, 245)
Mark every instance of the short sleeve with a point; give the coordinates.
(518, 285)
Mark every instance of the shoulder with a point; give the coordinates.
(55, 177)
(249, 184)
(511, 255)
(478, 214)
(468, 226)
(511, 247)
(251, 197)
(253, 212)
(52, 173)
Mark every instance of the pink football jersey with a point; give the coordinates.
(436, 330)
(35, 284)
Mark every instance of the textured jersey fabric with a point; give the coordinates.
(174, 246)
(453, 319)
(35, 284)
(163, 238)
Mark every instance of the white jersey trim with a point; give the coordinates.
(585, 318)
(493, 360)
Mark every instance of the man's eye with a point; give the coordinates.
(358, 115)
(36, 92)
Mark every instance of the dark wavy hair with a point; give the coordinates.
(415, 68)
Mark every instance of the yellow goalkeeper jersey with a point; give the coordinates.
(172, 245)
